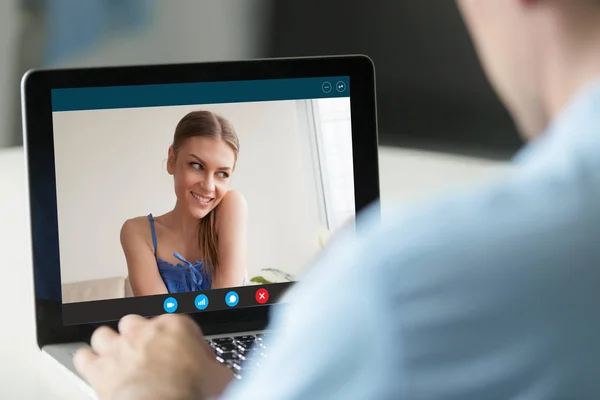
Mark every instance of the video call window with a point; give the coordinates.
(170, 199)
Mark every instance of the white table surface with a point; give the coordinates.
(25, 374)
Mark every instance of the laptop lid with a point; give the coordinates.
(203, 189)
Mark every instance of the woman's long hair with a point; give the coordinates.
(207, 124)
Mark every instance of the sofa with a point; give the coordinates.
(98, 289)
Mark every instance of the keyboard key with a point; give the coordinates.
(245, 338)
(226, 347)
(222, 340)
(223, 357)
(244, 346)
(239, 355)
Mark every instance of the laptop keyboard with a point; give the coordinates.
(240, 353)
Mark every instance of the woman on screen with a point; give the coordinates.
(201, 243)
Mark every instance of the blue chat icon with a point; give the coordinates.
(232, 299)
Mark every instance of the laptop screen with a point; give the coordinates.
(196, 197)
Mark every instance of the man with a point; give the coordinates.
(487, 294)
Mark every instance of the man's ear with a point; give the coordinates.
(171, 161)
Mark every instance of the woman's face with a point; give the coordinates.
(201, 170)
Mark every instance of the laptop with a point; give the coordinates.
(204, 189)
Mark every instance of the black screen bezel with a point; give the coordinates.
(38, 140)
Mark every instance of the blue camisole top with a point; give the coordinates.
(184, 276)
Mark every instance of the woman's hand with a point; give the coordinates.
(165, 358)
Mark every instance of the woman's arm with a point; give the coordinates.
(141, 264)
(231, 225)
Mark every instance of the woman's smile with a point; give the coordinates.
(202, 200)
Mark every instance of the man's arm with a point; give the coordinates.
(330, 337)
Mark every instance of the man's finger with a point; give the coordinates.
(85, 362)
(130, 325)
(177, 321)
(104, 340)
(180, 321)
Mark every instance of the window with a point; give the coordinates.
(333, 141)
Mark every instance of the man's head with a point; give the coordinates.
(536, 53)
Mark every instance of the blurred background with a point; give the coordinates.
(432, 93)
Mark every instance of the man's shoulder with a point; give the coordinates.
(493, 276)
(519, 217)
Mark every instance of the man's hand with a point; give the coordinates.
(163, 358)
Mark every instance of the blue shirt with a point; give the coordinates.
(488, 293)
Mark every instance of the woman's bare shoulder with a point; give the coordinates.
(137, 227)
(233, 200)
(232, 209)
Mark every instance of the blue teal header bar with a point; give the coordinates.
(178, 94)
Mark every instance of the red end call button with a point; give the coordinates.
(262, 296)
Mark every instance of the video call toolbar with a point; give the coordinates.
(188, 302)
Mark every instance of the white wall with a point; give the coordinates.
(9, 18)
(110, 166)
(412, 176)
